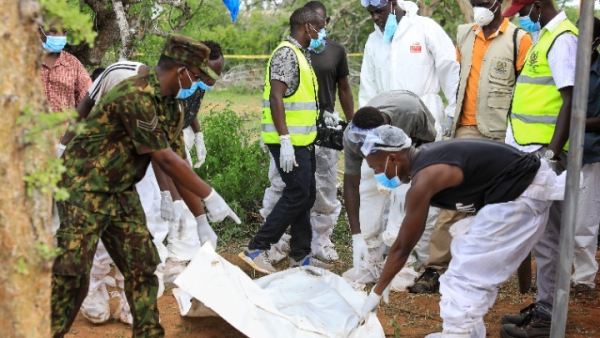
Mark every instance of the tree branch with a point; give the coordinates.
(123, 29)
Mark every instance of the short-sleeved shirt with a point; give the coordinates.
(284, 66)
(330, 66)
(129, 123)
(66, 83)
(406, 111)
(591, 141)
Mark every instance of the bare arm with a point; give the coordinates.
(196, 126)
(426, 183)
(563, 122)
(193, 202)
(278, 89)
(180, 172)
(346, 97)
(592, 124)
(352, 201)
(83, 110)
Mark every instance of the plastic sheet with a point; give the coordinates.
(298, 302)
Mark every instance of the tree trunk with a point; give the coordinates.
(25, 236)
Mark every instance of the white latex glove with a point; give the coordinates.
(448, 126)
(372, 302)
(205, 231)
(218, 210)
(167, 208)
(359, 248)
(200, 149)
(287, 157)
(330, 119)
(61, 150)
(178, 210)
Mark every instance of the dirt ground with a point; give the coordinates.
(408, 315)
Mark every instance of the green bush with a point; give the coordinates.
(236, 167)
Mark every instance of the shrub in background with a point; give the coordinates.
(236, 167)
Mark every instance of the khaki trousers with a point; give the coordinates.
(439, 245)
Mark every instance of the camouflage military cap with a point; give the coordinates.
(186, 50)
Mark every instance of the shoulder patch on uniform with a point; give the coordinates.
(149, 126)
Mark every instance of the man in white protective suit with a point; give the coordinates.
(330, 64)
(510, 190)
(166, 216)
(367, 202)
(407, 52)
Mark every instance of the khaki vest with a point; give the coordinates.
(496, 81)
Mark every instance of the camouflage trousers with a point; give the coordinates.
(129, 244)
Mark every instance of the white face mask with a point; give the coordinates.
(483, 15)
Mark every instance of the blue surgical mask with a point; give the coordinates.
(528, 24)
(183, 93)
(203, 85)
(386, 185)
(315, 44)
(390, 26)
(54, 44)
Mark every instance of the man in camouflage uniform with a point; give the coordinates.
(139, 120)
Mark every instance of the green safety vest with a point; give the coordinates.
(537, 101)
(301, 108)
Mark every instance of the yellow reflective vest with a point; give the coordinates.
(301, 108)
(537, 101)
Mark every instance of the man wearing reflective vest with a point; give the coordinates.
(288, 128)
(539, 121)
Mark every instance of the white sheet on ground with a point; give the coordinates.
(293, 303)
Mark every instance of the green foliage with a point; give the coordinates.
(41, 127)
(236, 167)
(78, 24)
(21, 267)
(47, 253)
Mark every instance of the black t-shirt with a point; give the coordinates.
(493, 172)
(191, 107)
(329, 66)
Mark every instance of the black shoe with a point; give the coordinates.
(522, 317)
(538, 327)
(428, 282)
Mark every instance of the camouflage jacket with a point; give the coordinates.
(129, 123)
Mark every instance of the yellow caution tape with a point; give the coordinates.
(268, 56)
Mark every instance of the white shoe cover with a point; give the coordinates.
(96, 307)
(123, 311)
(279, 250)
(326, 253)
(404, 279)
(172, 270)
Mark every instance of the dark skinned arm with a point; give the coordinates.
(180, 172)
(352, 201)
(563, 122)
(83, 110)
(195, 126)
(425, 184)
(193, 202)
(346, 97)
(592, 124)
(164, 181)
(278, 89)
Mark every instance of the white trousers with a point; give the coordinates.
(326, 210)
(380, 219)
(487, 249)
(586, 230)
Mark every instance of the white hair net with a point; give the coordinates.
(408, 6)
(386, 138)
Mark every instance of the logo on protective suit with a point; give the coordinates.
(465, 208)
(415, 48)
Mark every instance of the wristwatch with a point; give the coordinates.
(549, 155)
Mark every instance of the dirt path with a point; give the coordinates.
(407, 315)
